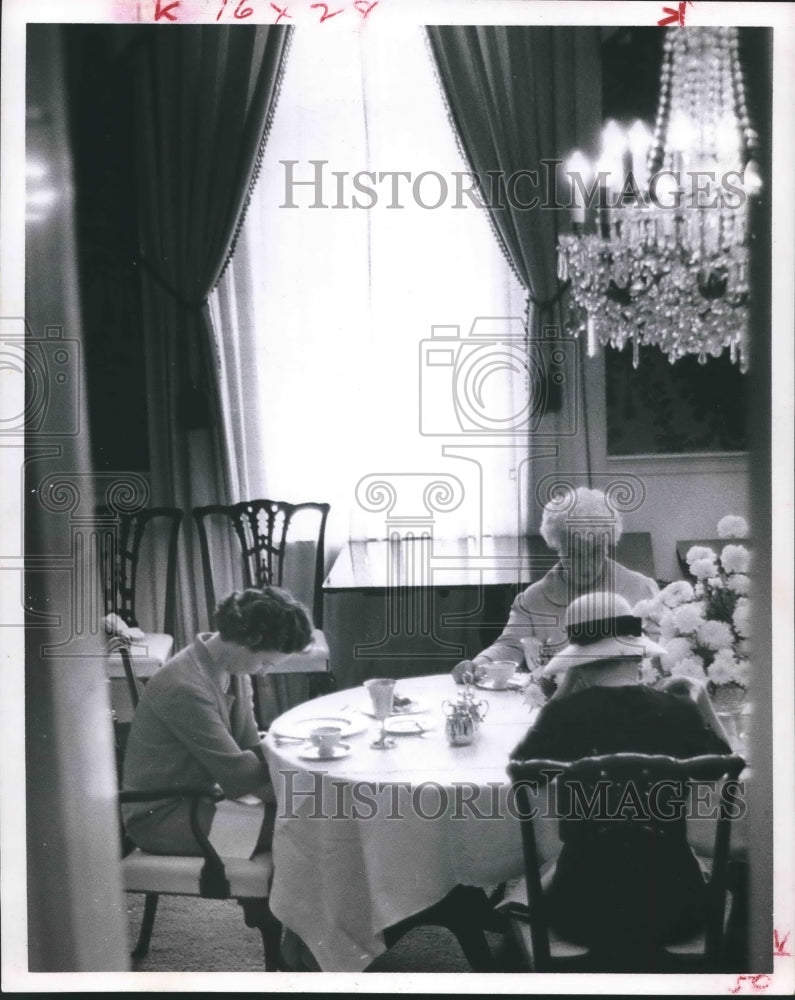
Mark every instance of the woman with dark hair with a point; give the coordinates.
(195, 725)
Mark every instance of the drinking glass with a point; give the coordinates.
(381, 690)
(532, 652)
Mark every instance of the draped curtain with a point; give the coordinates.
(204, 97)
(519, 96)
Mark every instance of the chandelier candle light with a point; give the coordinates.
(659, 253)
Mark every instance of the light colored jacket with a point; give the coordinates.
(538, 611)
(186, 731)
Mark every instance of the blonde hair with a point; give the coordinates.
(581, 504)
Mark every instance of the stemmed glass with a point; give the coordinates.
(381, 690)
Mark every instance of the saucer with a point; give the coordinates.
(313, 753)
(301, 728)
(491, 686)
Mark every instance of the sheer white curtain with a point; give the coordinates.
(323, 314)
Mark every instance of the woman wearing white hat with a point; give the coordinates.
(605, 888)
(613, 710)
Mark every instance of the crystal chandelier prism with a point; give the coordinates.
(659, 253)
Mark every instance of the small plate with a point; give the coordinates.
(301, 728)
(313, 753)
(413, 708)
(405, 727)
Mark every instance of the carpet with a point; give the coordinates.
(210, 936)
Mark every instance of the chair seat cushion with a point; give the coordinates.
(515, 897)
(179, 876)
(148, 655)
(558, 947)
(313, 659)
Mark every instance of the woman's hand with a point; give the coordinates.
(462, 668)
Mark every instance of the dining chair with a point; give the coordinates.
(139, 567)
(208, 876)
(272, 545)
(547, 951)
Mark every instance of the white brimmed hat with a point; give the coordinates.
(601, 626)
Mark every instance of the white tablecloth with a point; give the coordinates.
(379, 835)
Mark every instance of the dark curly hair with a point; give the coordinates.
(270, 619)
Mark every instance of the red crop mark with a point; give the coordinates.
(779, 944)
(359, 4)
(165, 12)
(759, 982)
(675, 16)
(281, 12)
(325, 15)
(240, 11)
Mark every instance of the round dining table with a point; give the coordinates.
(371, 837)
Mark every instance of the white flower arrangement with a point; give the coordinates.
(533, 696)
(705, 627)
(732, 526)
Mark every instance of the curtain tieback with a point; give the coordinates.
(192, 305)
(543, 305)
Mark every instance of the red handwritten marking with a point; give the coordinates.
(358, 4)
(780, 943)
(759, 982)
(675, 16)
(165, 12)
(281, 13)
(325, 16)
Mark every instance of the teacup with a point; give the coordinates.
(325, 738)
(498, 673)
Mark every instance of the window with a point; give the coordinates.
(343, 296)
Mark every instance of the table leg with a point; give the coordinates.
(465, 912)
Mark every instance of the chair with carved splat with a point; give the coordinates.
(274, 543)
(651, 778)
(139, 567)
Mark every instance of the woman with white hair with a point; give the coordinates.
(611, 882)
(579, 525)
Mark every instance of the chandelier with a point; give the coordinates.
(659, 249)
